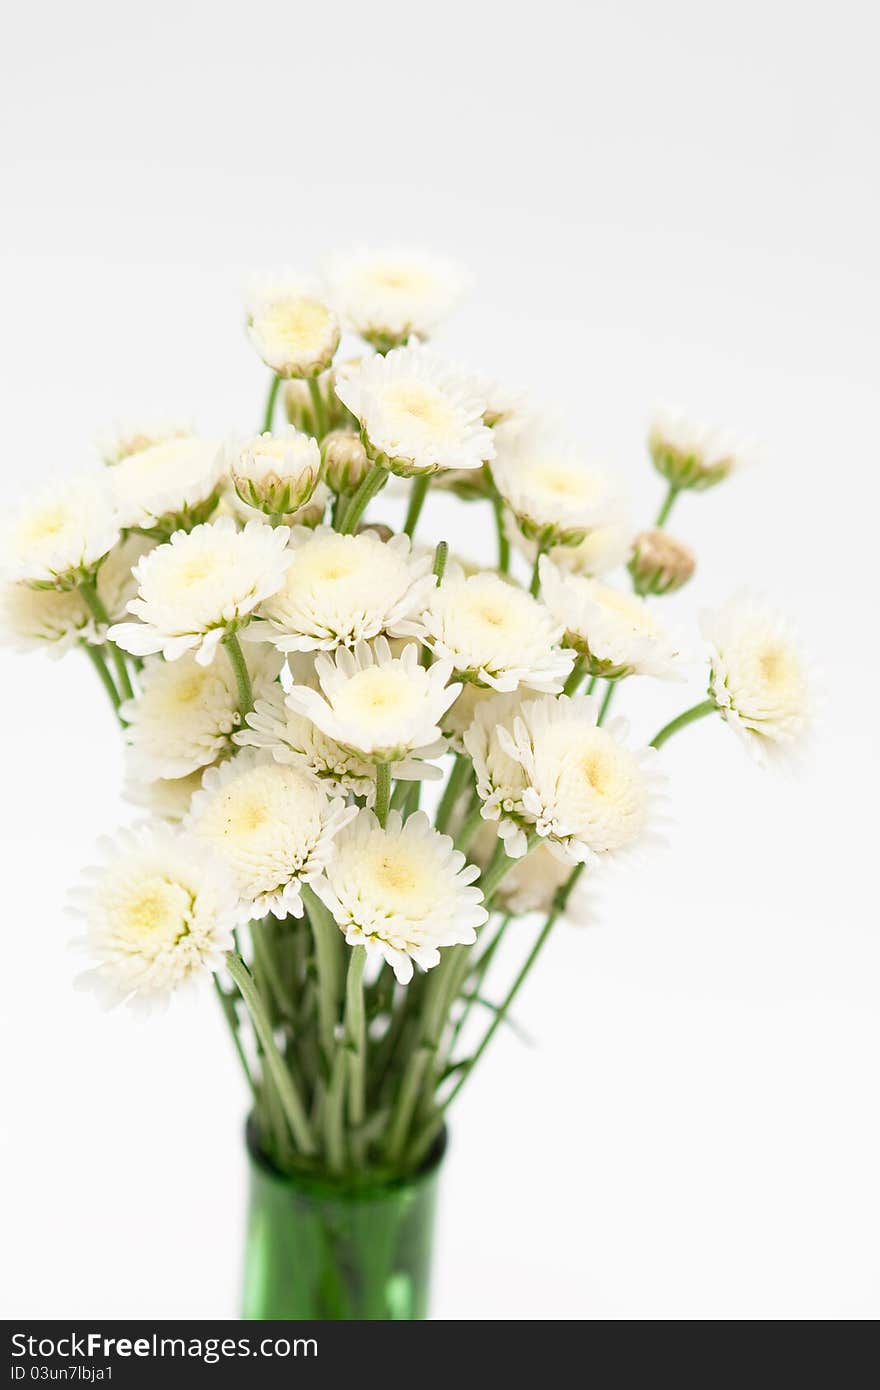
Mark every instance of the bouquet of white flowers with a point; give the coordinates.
(363, 757)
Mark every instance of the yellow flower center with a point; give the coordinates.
(298, 323)
(157, 910)
(46, 523)
(420, 404)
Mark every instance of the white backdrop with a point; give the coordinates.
(657, 202)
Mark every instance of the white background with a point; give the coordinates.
(671, 201)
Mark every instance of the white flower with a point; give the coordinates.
(388, 296)
(602, 549)
(62, 533)
(531, 885)
(383, 707)
(616, 632)
(53, 620)
(493, 633)
(292, 738)
(126, 440)
(185, 715)
(168, 485)
(168, 798)
(554, 496)
(759, 681)
(690, 455)
(343, 589)
(159, 913)
(577, 785)
(203, 584)
(278, 473)
(292, 329)
(417, 414)
(272, 825)
(403, 892)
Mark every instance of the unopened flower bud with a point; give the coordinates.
(659, 563)
(689, 456)
(345, 460)
(276, 474)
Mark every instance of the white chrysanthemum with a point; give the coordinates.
(603, 549)
(617, 633)
(168, 798)
(62, 533)
(690, 455)
(292, 738)
(278, 473)
(201, 585)
(759, 681)
(160, 913)
(169, 485)
(53, 620)
(546, 765)
(417, 414)
(291, 327)
(403, 892)
(343, 589)
(389, 296)
(493, 633)
(185, 715)
(555, 498)
(385, 708)
(272, 825)
(531, 884)
(126, 440)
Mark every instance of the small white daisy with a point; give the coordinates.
(385, 708)
(62, 533)
(276, 474)
(389, 296)
(416, 413)
(340, 590)
(292, 738)
(547, 765)
(616, 632)
(53, 620)
(168, 486)
(291, 327)
(185, 713)
(403, 892)
(202, 585)
(554, 496)
(160, 913)
(759, 679)
(126, 440)
(603, 549)
(690, 455)
(272, 825)
(493, 633)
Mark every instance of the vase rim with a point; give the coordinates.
(347, 1189)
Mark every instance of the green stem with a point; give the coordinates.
(535, 585)
(417, 495)
(328, 953)
(269, 412)
(429, 1036)
(574, 680)
(471, 825)
(318, 407)
(424, 1139)
(227, 1004)
(458, 776)
(356, 1035)
(609, 696)
(370, 485)
(95, 604)
(401, 795)
(477, 976)
(499, 865)
(682, 720)
(288, 1093)
(498, 511)
(98, 660)
(242, 678)
(668, 501)
(383, 791)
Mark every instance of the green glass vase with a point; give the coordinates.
(319, 1249)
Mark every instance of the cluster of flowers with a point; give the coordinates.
(288, 676)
